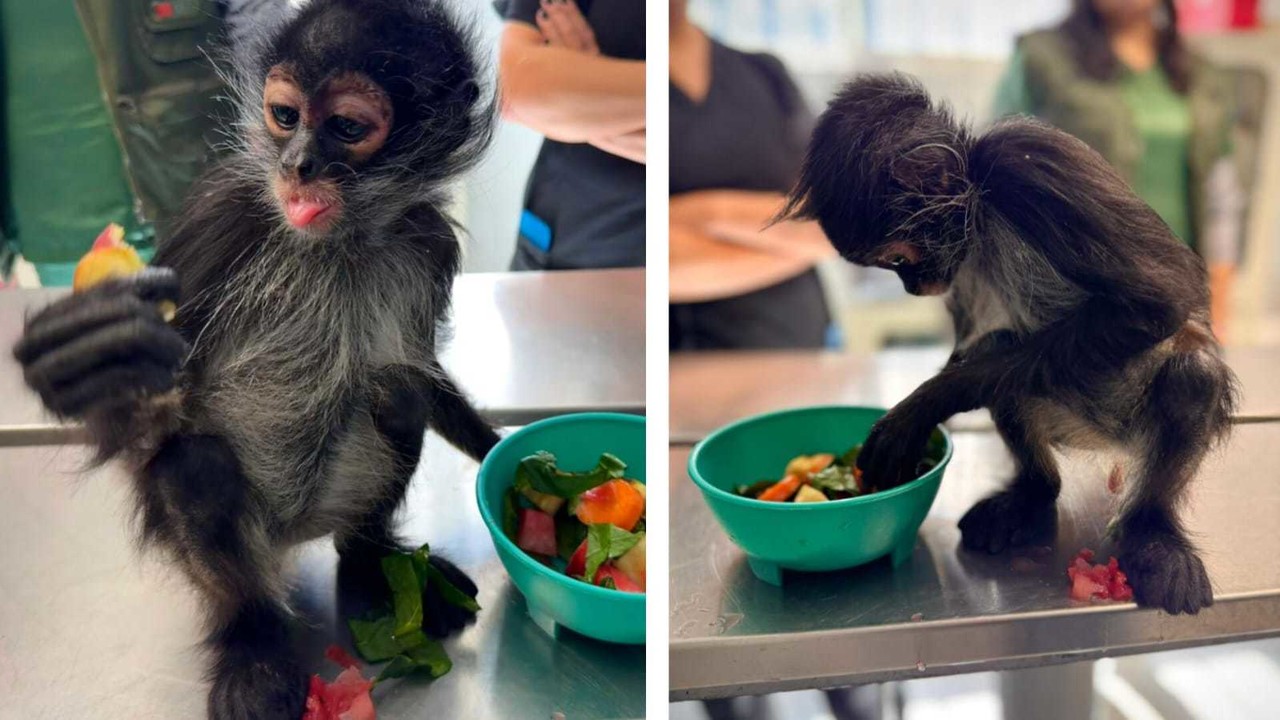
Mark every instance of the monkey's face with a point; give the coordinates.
(323, 138)
(919, 271)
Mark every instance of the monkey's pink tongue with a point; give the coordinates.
(301, 212)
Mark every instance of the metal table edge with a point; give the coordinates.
(909, 650)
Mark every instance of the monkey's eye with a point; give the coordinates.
(347, 130)
(895, 262)
(285, 116)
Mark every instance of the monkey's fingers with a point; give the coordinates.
(81, 313)
(110, 386)
(155, 284)
(139, 338)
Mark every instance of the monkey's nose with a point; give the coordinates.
(305, 169)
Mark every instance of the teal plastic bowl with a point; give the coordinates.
(555, 599)
(814, 537)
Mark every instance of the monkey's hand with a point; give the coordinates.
(103, 348)
(894, 448)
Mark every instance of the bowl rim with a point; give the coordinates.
(500, 538)
(709, 489)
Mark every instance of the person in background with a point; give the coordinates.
(1116, 74)
(739, 129)
(576, 75)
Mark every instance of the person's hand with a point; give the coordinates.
(562, 25)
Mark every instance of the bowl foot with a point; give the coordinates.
(903, 551)
(765, 570)
(545, 621)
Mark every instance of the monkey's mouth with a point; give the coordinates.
(302, 211)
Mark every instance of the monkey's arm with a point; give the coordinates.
(409, 400)
(566, 95)
(1077, 353)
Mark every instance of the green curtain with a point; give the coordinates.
(110, 111)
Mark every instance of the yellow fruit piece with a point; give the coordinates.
(808, 493)
(632, 564)
(806, 465)
(548, 504)
(104, 264)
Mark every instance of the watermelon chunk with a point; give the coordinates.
(346, 698)
(620, 579)
(1097, 582)
(578, 562)
(537, 532)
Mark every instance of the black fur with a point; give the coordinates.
(289, 397)
(1080, 318)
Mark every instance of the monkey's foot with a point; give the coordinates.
(360, 573)
(257, 683)
(1165, 572)
(1006, 519)
(440, 617)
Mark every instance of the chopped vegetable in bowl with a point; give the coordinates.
(589, 525)
(823, 476)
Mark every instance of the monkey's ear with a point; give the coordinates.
(880, 154)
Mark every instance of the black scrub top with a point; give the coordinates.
(749, 133)
(591, 201)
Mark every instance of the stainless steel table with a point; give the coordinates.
(711, 389)
(88, 629)
(948, 610)
(525, 346)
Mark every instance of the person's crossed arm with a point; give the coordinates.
(555, 81)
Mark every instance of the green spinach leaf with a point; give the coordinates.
(539, 471)
(426, 655)
(835, 478)
(375, 639)
(406, 592)
(569, 535)
(606, 542)
(510, 518)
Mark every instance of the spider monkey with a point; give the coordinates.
(312, 272)
(1080, 320)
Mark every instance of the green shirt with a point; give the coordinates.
(1163, 120)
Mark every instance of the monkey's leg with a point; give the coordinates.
(1025, 509)
(402, 408)
(1188, 408)
(197, 502)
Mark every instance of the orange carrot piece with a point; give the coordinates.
(782, 490)
(615, 502)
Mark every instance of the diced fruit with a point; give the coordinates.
(640, 488)
(578, 563)
(1100, 582)
(110, 258)
(632, 564)
(537, 532)
(340, 657)
(549, 504)
(614, 502)
(808, 493)
(346, 698)
(782, 490)
(620, 579)
(806, 465)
